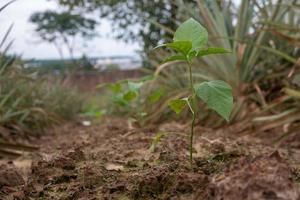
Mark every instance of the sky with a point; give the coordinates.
(28, 45)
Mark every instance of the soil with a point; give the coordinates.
(113, 160)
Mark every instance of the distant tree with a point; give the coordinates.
(134, 20)
(62, 29)
(86, 64)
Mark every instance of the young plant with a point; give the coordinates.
(189, 42)
(127, 95)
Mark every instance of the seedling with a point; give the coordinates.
(190, 42)
(127, 95)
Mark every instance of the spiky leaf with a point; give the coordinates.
(217, 95)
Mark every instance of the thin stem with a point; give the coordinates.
(191, 140)
(192, 108)
(191, 78)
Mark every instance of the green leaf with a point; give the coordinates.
(183, 47)
(143, 114)
(94, 113)
(115, 88)
(119, 100)
(192, 31)
(212, 50)
(156, 140)
(175, 58)
(217, 95)
(130, 95)
(155, 96)
(177, 105)
(134, 86)
(191, 55)
(147, 78)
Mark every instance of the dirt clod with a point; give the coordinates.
(9, 176)
(64, 163)
(76, 154)
(257, 178)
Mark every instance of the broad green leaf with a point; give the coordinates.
(119, 100)
(115, 88)
(183, 47)
(130, 95)
(217, 95)
(177, 105)
(175, 58)
(155, 96)
(192, 31)
(212, 50)
(134, 86)
(94, 113)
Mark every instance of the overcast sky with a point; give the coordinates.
(27, 44)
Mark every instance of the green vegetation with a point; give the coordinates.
(222, 88)
(128, 98)
(262, 69)
(263, 56)
(189, 42)
(28, 103)
(58, 66)
(130, 17)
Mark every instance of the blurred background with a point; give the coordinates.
(55, 56)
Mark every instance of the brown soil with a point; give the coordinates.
(111, 160)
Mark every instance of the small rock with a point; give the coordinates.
(86, 123)
(111, 167)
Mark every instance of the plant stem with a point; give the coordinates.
(193, 112)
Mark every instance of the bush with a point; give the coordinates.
(28, 104)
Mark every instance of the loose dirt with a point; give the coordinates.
(112, 160)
